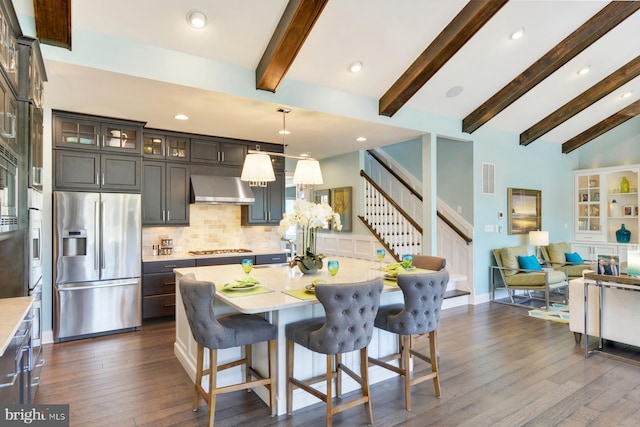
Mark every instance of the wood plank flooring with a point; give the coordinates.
(498, 367)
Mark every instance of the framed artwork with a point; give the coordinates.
(627, 210)
(342, 204)
(525, 210)
(323, 196)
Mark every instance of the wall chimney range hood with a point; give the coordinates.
(220, 190)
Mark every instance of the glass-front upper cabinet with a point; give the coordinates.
(622, 200)
(588, 207)
(163, 145)
(79, 131)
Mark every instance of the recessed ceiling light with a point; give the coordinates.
(196, 19)
(284, 132)
(584, 70)
(454, 91)
(626, 94)
(516, 34)
(356, 67)
(181, 117)
(361, 139)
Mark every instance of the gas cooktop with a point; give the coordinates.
(219, 251)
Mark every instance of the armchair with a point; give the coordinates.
(554, 256)
(508, 274)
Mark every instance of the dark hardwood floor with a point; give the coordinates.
(498, 367)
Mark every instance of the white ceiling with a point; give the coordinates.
(385, 35)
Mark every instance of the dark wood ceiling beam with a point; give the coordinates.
(587, 98)
(53, 22)
(458, 32)
(604, 126)
(600, 24)
(295, 25)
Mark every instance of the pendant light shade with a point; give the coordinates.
(307, 172)
(258, 170)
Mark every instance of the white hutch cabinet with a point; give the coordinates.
(603, 202)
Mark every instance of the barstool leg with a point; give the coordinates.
(433, 348)
(329, 376)
(406, 359)
(198, 381)
(364, 375)
(272, 376)
(290, 354)
(213, 381)
(248, 360)
(338, 375)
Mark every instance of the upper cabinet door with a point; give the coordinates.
(121, 137)
(76, 132)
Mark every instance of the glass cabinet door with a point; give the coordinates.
(589, 204)
(177, 148)
(76, 133)
(153, 145)
(117, 137)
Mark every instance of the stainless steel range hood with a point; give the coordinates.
(220, 190)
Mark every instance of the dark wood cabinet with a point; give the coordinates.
(159, 287)
(83, 132)
(219, 151)
(268, 208)
(9, 53)
(8, 117)
(165, 194)
(166, 145)
(77, 170)
(32, 71)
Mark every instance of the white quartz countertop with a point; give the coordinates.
(13, 311)
(186, 255)
(278, 280)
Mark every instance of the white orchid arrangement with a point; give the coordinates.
(310, 217)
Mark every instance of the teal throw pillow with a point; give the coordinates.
(574, 257)
(529, 262)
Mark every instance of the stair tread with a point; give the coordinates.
(455, 293)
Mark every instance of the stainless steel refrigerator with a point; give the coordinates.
(96, 249)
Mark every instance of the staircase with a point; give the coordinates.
(386, 217)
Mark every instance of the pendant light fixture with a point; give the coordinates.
(258, 169)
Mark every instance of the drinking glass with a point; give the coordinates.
(380, 253)
(247, 265)
(407, 260)
(333, 267)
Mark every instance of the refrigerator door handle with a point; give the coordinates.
(63, 288)
(96, 237)
(102, 225)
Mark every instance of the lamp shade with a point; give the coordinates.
(258, 170)
(307, 172)
(539, 238)
(633, 263)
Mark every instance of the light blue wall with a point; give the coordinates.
(408, 155)
(455, 175)
(619, 146)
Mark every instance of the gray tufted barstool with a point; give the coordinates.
(429, 262)
(348, 326)
(420, 314)
(226, 332)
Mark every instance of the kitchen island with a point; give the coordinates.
(281, 299)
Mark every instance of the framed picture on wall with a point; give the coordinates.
(341, 202)
(525, 210)
(323, 196)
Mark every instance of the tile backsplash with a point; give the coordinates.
(212, 227)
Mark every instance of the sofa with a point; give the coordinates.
(554, 256)
(508, 274)
(620, 313)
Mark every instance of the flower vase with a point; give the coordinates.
(309, 264)
(623, 235)
(624, 185)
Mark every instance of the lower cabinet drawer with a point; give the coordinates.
(159, 306)
(158, 284)
(271, 259)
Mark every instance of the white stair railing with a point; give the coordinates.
(393, 227)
